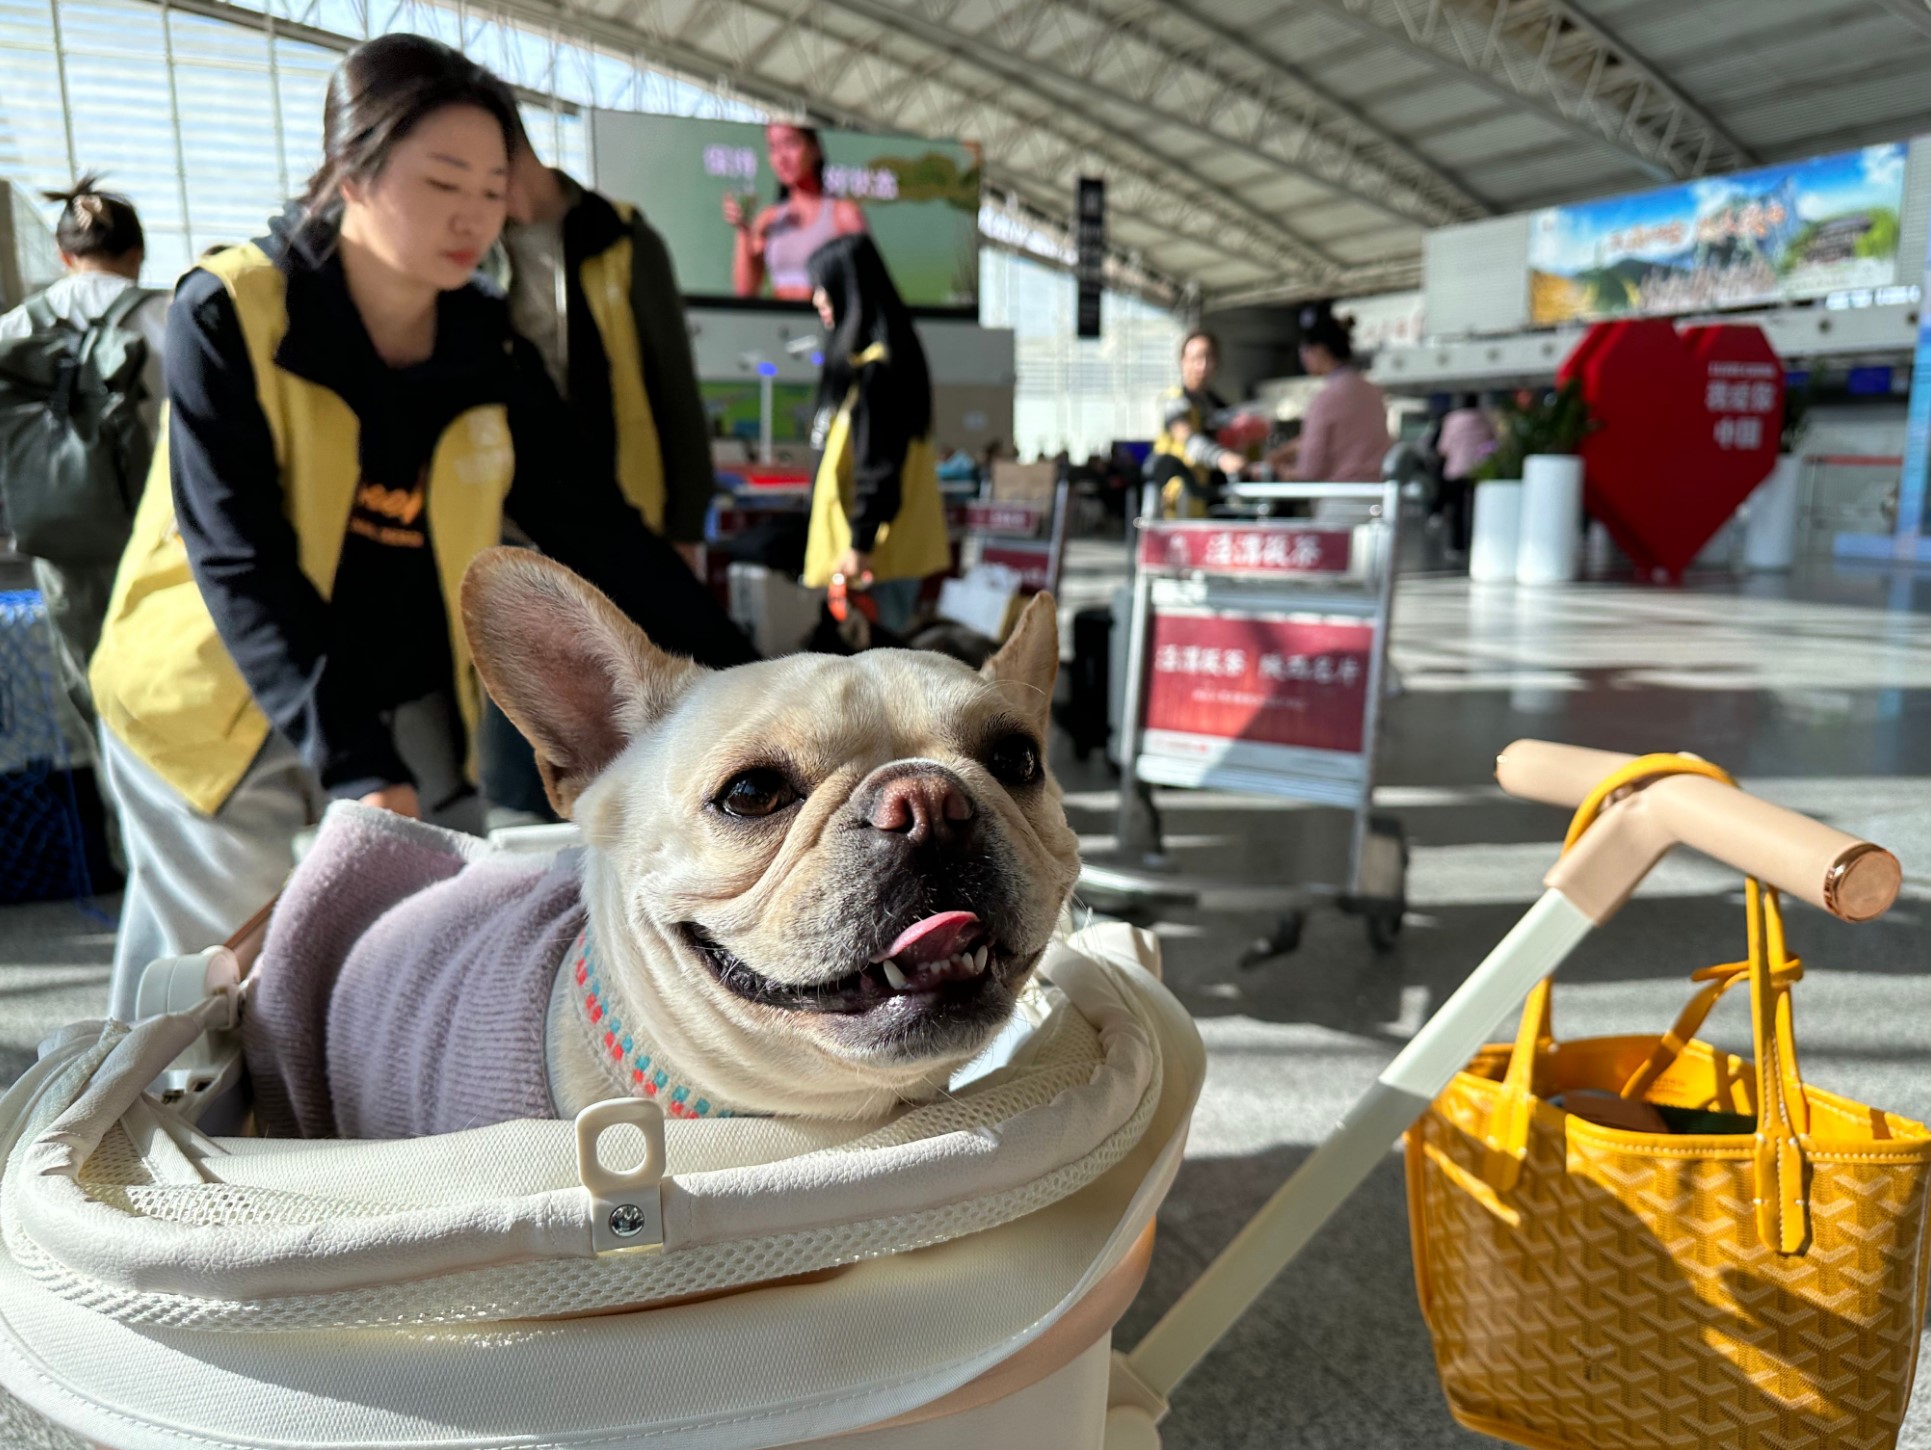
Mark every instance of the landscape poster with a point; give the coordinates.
(1779, 233)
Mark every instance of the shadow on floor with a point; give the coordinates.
(1334, 1354)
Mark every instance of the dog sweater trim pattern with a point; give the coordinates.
(649, 1074)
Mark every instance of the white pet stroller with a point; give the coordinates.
(949, 1278)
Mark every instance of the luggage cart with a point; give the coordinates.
(1026, 536)
(1256, 661)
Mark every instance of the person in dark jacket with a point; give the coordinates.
(350, 417)
(591, 287)
(877, 520)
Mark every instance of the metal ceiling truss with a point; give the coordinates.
(1390, 274)
(888, 68)
(1056, 89)
(1040, 145)
(1008, 223)
(717, 48)
(1171, 64)
(1569, 68)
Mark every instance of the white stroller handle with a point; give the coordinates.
(1849, 878)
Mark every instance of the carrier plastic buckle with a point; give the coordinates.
(212, 1065)
(181, 984)
(626, 1205)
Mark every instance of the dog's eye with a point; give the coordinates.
(755, 793)
(1014, 760)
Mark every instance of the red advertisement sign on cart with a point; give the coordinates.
(1034, 562)
(1247, 549)
(1022, 519)
(1267, 681)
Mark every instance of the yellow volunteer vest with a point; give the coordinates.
(163, 681)
(913, 544)
(1175, 501)
(640, 458)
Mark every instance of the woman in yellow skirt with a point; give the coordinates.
(876, 518)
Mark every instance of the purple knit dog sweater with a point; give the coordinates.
(405, 982)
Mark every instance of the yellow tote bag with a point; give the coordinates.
(1753, 1277)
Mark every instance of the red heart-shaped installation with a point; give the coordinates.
(1687, 424)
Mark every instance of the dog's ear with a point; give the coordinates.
(565, 664)
(1029, 659)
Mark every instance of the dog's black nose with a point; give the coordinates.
(920, 807)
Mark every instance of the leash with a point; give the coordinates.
(841, 598)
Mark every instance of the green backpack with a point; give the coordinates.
(73, 448)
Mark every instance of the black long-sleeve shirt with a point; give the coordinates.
(327, 671)
(592, 227)
(880, 439)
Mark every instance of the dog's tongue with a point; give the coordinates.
(931, 940)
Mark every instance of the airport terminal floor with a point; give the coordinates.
(529, 537)
(1815, 689)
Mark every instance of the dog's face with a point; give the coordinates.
(848, 867)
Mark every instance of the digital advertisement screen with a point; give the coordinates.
(742, 206)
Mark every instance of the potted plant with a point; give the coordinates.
(1495, 530)
(1553, 428)
(1770, 515)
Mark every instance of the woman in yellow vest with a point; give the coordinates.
(1191, 468)
(877, 521)
(349, 419)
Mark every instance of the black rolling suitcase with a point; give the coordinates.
(1083, 715)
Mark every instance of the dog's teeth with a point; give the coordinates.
(980, 957)
(893, 975)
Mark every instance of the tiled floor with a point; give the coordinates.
(1817, 692)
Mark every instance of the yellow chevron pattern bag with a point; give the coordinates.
(1753, 1277)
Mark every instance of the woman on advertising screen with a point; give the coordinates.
(776, 243)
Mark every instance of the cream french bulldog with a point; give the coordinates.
(814, 884)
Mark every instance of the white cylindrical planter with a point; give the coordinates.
(1551, 519)
(1496, 534)
(1770, 528)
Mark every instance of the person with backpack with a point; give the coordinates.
(80, 396)
(350, 420)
